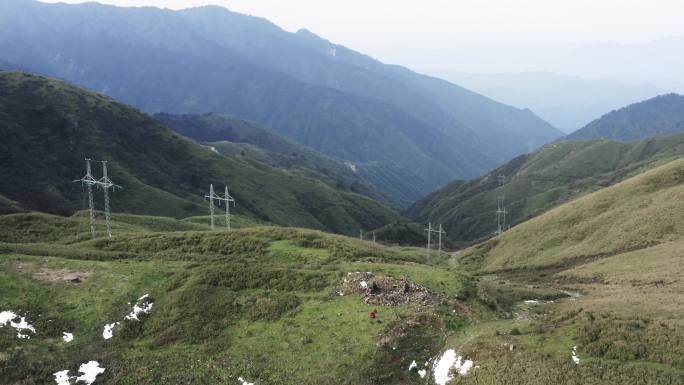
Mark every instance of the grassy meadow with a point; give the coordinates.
(263, 303)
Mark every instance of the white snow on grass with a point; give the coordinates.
(532, 302)
(448, 361)
(8, 317)
(108, 331)
(364, 284)
(142, 306)
(575, 359)
(422, 373)
(413, 365)
(67, 337)
(89, 372)
(244, 382)
(62, 377)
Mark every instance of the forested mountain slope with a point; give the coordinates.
(48, 128)
(408, 131)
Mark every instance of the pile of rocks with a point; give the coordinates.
(388, 291)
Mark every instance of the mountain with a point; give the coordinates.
(537, 182)
(636, 214)
(662, 115)
(411, 133)
(567, 102)
(49, 127)
(589, 293)
(232, 136)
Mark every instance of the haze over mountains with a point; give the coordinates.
(662, 115)
(408, 131)
(567, 102)
(556, 173)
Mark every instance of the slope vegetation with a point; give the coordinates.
(49, 127)
(659, 116)
(539, 181)
(235, 137)
(415, 131)
(635, 214)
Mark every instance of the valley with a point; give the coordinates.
(286, 305)
(383, 227)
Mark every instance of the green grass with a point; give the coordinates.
(634, 214)
(538, 182)
(161, 172)
(261, 303)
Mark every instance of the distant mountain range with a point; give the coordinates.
(662, 115)
(48, 128)
(406, 131)
(567, 102)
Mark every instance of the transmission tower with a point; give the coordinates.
(361, 235)
(501, 208)
(211, 197)
(429, 235)
(107, 184)
(228, 199)
(440, 232)
(89, 182)
(373, 236)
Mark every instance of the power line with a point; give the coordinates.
(429, 235)
(440, 232)
(107, 184)
(226, 198)
(501, 208)
(431, 230)
(89, 182)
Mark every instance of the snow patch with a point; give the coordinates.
(9, 316)
(142, 306)
(108, 331)
(575, 359)
(364, 284)
(532, 302)
(244, 382)
(422, 373)
(449, 360)
(62, 377)
(89, 370)
(67, 337)
(413, 365)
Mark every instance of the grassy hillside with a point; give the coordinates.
(235, 137)
(539, 181)
(637, 213)
(659, 116)
(50, 127)
(264, 304)
(618, 253)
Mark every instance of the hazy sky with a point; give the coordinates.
(436, 33)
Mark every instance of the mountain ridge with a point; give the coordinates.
(162, 172)
(403, 125)
(657, 116)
